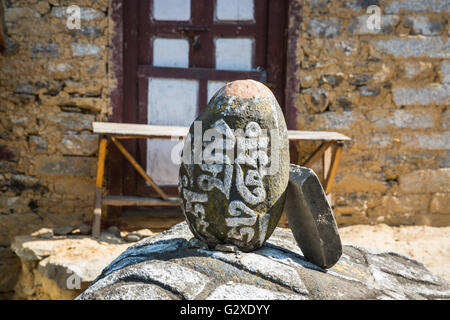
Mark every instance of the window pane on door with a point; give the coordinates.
(171, 52)
(234, 53)
(172, 10)
(235, 10)
(171, 102)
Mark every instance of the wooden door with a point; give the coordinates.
(178, 53)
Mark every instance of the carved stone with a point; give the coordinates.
(235, 167)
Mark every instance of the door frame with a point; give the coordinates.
(121, 175)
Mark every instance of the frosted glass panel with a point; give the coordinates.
(235, 10)
(171, 102)
(234, 53)
(172, 10)
(159, 162)
(213, 87)
(171, 52)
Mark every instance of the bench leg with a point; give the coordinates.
(316, 154)
(326, 167)
(333, 168)
(98, 188)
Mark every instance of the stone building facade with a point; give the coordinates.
(388, 89)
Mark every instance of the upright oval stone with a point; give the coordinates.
(235, 167)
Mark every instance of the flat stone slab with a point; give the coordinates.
(167, 266)
(311, 218)
(61, 257)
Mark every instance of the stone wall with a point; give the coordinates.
(53, 84)
(389, 91)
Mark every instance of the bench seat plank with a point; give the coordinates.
(167, 132)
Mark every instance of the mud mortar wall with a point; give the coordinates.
(389, 90)
(51, 88)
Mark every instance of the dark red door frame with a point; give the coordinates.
(124, 47)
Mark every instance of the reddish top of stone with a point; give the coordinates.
(245, 89)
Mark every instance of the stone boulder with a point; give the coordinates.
(174, 265)
(235, 167)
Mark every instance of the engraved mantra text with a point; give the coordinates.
(216, 155)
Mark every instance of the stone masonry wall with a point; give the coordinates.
(51, 88)
(389, 90)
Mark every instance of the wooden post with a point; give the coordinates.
(326, 163)
(334, 166)
(98, 188)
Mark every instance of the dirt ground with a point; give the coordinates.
(429, 245)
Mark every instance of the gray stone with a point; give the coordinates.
(311, 218)
(327, 28)
(368, 91)
(428, 141)
(178, 279)
(43, 233)
(68, 165)
(338, 120)
(425, 25)
(361, 5)
(78, 145)
(83, 229)
(445, 71)
(238, 291)
(39, 50)
(414, 70)
(439, 6)
(237, 198)
(80, 49)
(226, 248)
(90, 31)
(163, 266)
(133, 237)
(402, 119)
(86, 13)
(265, 267)
(137, 291)
(114, 230)
(439, 95)
(62, 231)
(414, 47)
(319, 99)
(69, 121)
(361, 25)
(38, 143)
(198, 244)
(21, 182)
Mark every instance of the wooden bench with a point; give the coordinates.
(115, 132)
